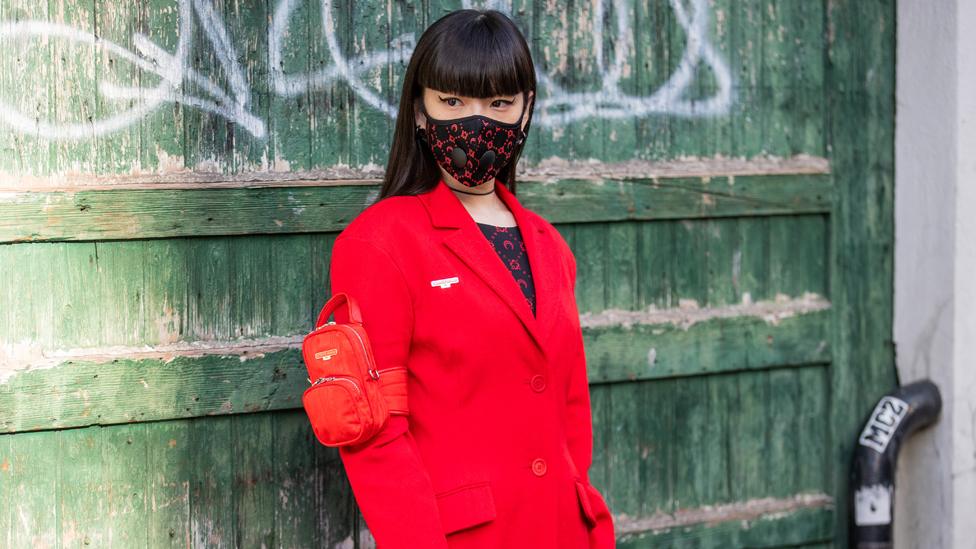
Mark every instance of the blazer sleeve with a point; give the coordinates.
(580, 438)
(388, 478)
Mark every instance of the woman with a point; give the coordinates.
(474, 294)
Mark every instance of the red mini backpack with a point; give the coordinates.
(349, 400)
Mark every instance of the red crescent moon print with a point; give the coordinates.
(510, 248)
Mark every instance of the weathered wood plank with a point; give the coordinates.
(61, 295)
(659, 351)
(214, 484)
(721, 263)
(117, 22)
(655, 250)
(548, 170)
(6, 493)
(163, 132)
(208, 137)
(255, 491)
(781, 438)
(745, 44)
(748, 476)
(247, 29)
(196, 476)
(290, 121)
(691, 487)
(592, 277)
(29, 488)
(657, 100)
(182, 384)
(667, 445)
(157, 213)
(803, 526)
(158, 291)
(656, 417)
(860, 84)
(101, 486)
(311, 484)
(238, 481)
(813, 421)
(754, 260)
(690, 277)
(169, 455)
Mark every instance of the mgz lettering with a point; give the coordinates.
(883, 423)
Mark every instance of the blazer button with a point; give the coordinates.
(539, 466)
(538, 383)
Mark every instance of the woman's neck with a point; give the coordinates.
(482, 202)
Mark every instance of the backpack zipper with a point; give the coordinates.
(340, 378)
(330, 378)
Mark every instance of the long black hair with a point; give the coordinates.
(475, 53)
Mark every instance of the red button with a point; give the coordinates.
(538, 383)
(539, 466)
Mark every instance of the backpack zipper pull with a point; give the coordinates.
(321, 380)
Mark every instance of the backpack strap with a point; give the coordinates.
(393, 385)
(333, 304)
(393, 379)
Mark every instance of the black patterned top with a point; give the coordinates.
(509, 246)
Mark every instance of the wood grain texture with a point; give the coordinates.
(797, 529)
(164, 213)
(138, 385)
(136, 264)
(301, 112)
(860, 77)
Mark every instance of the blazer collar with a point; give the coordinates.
(469, 244)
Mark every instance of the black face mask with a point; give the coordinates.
(473, 149)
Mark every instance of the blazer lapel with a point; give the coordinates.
(469, 244)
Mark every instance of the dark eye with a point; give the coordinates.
(449, 99)
(502, 101)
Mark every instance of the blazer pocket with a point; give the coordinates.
(466, 506)
(585, 505)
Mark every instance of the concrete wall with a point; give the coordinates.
(935, 290)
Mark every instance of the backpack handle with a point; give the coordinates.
(334, 303)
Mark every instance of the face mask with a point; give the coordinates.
(473, 149)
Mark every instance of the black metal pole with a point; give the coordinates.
(896, 416)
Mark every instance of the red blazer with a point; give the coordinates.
(496, 449)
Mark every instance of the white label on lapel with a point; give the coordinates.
(444, 282)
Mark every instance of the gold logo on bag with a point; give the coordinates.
(326, 354)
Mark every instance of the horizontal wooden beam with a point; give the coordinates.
(101, 389)
(809, 522)
(145, 212)
(658, 351)
(548, 169)
(586, 200)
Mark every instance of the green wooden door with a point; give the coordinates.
(175, 171)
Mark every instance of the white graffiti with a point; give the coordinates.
(555, 106)
(171, 68)
(611, 102)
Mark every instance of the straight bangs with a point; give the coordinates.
(472, 53)
(481, 59)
